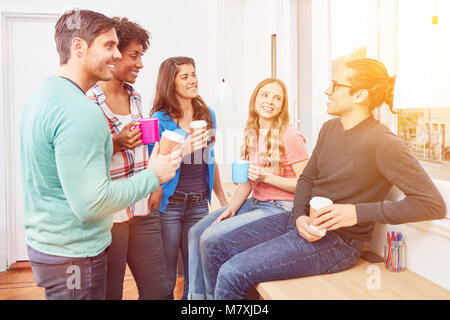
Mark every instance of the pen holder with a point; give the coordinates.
(394, 255)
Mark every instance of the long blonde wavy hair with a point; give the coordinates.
(271, 156)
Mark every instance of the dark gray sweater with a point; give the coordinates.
(359, 166)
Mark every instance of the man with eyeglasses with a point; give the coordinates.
(355, 163)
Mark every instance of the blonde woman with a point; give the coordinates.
(277, 155)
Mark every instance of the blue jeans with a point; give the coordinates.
(272, 249)
(66, 278)
(175, 225)
(202, 235)
(137, 242)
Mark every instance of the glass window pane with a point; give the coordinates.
(423, 85)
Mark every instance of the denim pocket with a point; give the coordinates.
(175, 206)
(47, 274)
(203, 203)
(345, 264)
(198, 209)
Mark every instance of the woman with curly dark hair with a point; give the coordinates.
(136, 233)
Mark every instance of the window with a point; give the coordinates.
(413, 44)
(411, 38)
(423, 93)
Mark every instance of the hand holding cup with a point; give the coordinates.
(316, 204)
(170, 141)
(306, 230)
(165, 167)
(256, 173)
(129, 137)
(198, 139)
(336, 216)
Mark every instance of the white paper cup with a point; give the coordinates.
(198, 125)
(169, 141)
(317, 203)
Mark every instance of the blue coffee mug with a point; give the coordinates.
(240, 171)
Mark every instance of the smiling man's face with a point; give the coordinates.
(102, 55)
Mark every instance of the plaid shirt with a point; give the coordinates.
(124, 163)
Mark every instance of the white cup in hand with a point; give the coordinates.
(317, 203)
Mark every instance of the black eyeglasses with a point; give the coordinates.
(334, 84)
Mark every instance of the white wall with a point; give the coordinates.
(177, 27)
(244, 59)
(314, 69)
(244, 44)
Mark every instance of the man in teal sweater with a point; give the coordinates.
(66, 149)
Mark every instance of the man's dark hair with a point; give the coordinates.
(128, 31)
(84, 24)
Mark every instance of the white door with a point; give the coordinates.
(30, 56)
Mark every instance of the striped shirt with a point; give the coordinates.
(125, 163)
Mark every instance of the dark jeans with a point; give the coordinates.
(137, 242)
(67, 278)
(272, 249)
(175, 223)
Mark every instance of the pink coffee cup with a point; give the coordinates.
(150, 130)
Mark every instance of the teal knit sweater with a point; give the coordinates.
(66, 149)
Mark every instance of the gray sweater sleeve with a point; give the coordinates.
(303, 190)
(422, 199)
(305, 183)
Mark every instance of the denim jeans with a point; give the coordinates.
(137, 242)
(202, 279)
(272, 249)
(175, 225)
(66, 278)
